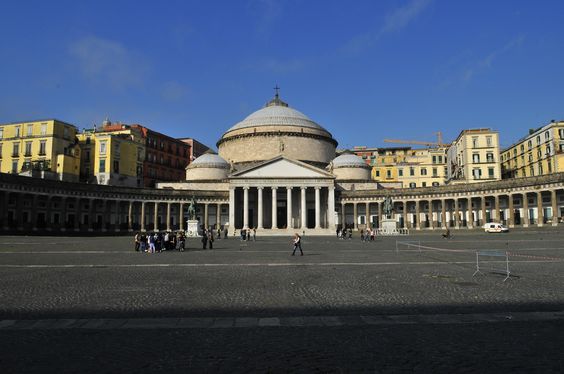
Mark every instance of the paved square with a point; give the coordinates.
(378, 306)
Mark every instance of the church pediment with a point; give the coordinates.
(282, 167)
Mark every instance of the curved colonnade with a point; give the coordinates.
(29, 205)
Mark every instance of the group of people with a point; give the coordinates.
(247, 233)
(208, 238)
(157, 242)
(365, 236)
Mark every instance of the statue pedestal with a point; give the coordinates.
(389, 226)
(192, 228)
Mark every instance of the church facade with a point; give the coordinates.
(276, 171)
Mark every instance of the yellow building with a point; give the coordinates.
(539, 153)
(111, 158)
(411, 167)
(474, 157)
(40, 148)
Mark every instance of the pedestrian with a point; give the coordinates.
(243, 235)
(361, 235)
(254, 234)
(350, 233)
(158, 242)
(152, 239)
(372, 233)
(143, 243)
(181, 241)
(218, 233)
(166, 241)
(137, 240)
(225, 232)
(338, 233)
(204, 240)
(210, 238)
(297, 244)
(173, 241)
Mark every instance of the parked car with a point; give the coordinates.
(495, 227)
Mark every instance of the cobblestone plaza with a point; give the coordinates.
(92, 304)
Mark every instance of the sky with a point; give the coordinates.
(364, 70)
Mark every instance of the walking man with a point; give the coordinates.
(297, 244)
(205, 240)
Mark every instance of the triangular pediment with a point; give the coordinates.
(282, 167)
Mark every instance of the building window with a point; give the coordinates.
(423, 184)
(15, 166)
(538, 139)
(377, 173)
(66, 132)
(490, 157)
(1, 132)
(530, 144)
(532, 171)
(388, 174)
(27, 149)
(43, 130)
(434, 159)
(400, 172)
(561, 133)
(476, 173)
(476, 157)
(103, 148)
(412, 171)
(116, 150)
(29, 130)
(549, 164)
(475, 142)
(546, 135)
(17, 132)
(15, 149)
(102, 168)
(489, 141)
(541, 170)
(0, 150)
(435, 184)
(435, 172)
(423, 171)
(42, 147)
(491, 173)
(116, 166)
(412, 185)
(548, 149)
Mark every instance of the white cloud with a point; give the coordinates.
(108, 63)
(395, 21)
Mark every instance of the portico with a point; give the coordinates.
(282, 195)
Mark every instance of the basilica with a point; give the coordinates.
(277, 171)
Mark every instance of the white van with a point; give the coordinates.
(495, 227)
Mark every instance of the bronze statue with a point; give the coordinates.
(192, 209)
(388, 207)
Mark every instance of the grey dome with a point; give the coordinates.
(209, 160)
(277, 113)
(349, 160)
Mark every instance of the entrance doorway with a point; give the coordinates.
(281, 217)
(310, 218)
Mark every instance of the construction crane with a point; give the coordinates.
(438, 143)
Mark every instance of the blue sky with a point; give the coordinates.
(365, 70)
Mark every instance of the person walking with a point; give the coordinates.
(297, 244)
(181, 241)
(254, 234)
(143, 243)
(218, 233)
(361, 235)
(166, 246)
(210, 238)
(137, 240)
(152, 240)
(205, 240)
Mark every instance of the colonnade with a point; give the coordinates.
(526, 208)
(282, 207)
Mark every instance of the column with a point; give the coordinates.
(379, 215)
(92, 214)
(246, 207)
(181, 216)
(331, 208)
(483, 206)
(318, 208)
(525, 210)
(130, 217)
(456, 214)
(431, 215)
(470, 219)
(497, 209)
(444, 223)
(232, 209)
(367, 210)
(540, 213)
(417, 216)
(554, 203)
(218, 216)
(142, 220)
(260, 208)
(303, 208)
(206, 220)
(343, 216)
(511, 222)
(156, 217)
(355, 216)
(405, 223)
(274, 209)
(168, 216)
(289, 208)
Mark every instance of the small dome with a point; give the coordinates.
(349, 160)
(209, 160)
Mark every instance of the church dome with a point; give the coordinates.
(350, 167)
(277, 130)
(348, 161)
(208, 166)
